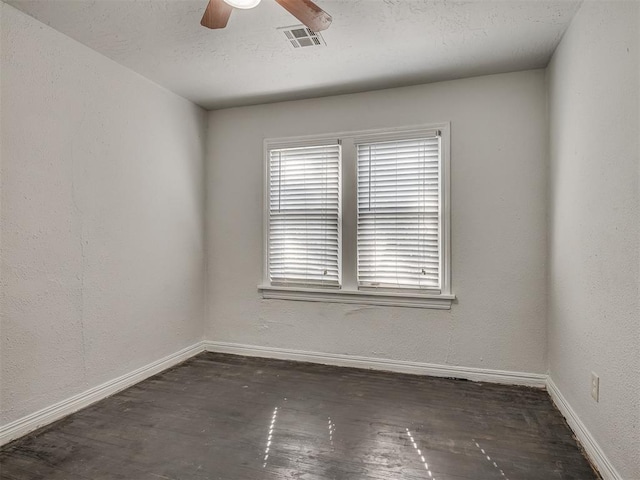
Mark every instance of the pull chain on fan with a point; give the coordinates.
(218, 12)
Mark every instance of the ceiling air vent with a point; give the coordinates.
(300, 36)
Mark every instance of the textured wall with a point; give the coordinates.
(594, 295)
(102, 207)
(499, 170)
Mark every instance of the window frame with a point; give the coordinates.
(349, 292)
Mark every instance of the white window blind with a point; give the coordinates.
(304, 215)
(399, 213)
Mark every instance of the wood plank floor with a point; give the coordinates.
(229, 417)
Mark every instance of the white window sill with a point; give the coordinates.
(439, 302)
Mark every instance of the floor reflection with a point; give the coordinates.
(420, 454)
(272, 426)
(493, 462)
(332, 429)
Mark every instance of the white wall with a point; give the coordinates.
(594, 296)
(499, 174)
(102, 208)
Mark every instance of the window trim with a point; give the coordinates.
(349, 292)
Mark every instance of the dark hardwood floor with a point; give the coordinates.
(228, 417)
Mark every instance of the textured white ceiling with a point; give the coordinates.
(371, 44)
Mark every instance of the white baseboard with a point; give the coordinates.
(591, 447)
(50, 414)
(400, 366)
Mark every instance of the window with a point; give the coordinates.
(304, 215)
(399, 213)
(359, 217)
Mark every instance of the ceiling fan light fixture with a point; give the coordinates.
(243, 4)
(308, 13)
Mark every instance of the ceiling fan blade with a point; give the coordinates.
(308, 13)
(216, 15)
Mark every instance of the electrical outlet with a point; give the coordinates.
(595, 386)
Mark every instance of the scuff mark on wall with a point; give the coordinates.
(358, 310)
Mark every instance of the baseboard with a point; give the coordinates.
(50, 414)
(591, 447)
(400, 366)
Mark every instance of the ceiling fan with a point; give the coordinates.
(218, 12)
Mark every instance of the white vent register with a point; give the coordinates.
(300, 36)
